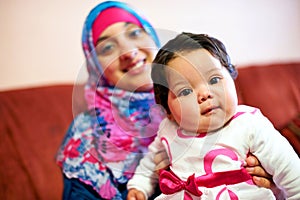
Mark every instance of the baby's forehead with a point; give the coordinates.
(194, 56)
(194, 65)
(192, 71)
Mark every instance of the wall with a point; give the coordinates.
(40, 40)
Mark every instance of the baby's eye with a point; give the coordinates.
(185, 92)
(214, 80)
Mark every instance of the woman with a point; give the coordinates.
(104, 144)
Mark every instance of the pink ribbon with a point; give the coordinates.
(170, 183)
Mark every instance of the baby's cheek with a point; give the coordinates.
(188, 115)
(185, 111)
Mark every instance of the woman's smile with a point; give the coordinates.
(136, 68)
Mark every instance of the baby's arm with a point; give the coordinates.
(278, 158)
(145, 178)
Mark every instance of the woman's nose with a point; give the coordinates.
(128, 55)
(128, 49)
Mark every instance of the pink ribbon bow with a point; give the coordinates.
(169, 183)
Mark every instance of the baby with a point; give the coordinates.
(206, 134)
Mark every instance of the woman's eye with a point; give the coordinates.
(135, 33)
(185, 92)
(214, 80)
(105, 48)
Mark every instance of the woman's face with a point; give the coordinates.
(125, 52)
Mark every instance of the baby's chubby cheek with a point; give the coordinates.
(186, 114)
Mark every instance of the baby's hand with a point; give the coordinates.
(134, 194)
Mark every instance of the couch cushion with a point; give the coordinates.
(275, 89)
(292, 133)
(33, 124)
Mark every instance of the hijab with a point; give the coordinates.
(103, 146)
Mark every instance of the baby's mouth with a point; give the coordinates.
(209, 110)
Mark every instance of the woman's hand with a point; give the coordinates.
(261, 177)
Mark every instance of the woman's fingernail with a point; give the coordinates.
(256, 179)
(249, 169)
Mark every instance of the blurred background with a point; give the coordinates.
(40, 41)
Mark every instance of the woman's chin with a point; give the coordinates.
(144, 88)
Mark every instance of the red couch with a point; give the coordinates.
(34, 121)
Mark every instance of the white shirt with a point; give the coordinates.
(223, 150)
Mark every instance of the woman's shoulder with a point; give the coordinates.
(80, 133)
(82, 123)
(84, 117)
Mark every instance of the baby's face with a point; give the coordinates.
(202, 95)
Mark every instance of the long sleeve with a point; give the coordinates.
(145, 178)
(277, 157)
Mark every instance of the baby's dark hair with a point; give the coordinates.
(185, 42)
